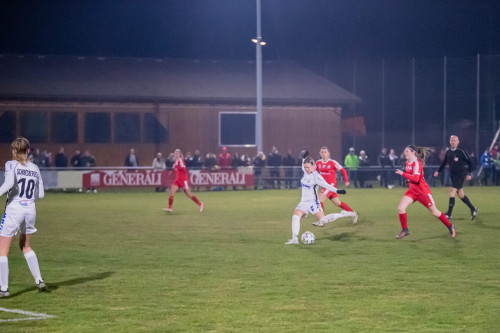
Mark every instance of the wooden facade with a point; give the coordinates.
(188, 126)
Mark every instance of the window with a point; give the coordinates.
(237, 129)
(127, 127)
(97, 127)
(64, 127)
(7, 126)
(34, 126)
(154, 131)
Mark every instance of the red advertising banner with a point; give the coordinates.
(150, 178)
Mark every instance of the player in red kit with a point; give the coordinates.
(418, 189)
(181, 181)
(328, 169)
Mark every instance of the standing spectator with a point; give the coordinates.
(236, 161)
(364, 162)
(131, 159)
(461, 168)
(289, 162)
(188, 158)
(169, 163)
(351, 162)
(304, 153)
(197, 160)
(87, 160)
(274, 161)
(496, 161)
(384, 162)
(211, 162)
(61, 161)
(258, 163)
(487, 165)
(76, 161)
(496, 167)
(158, 166)
(224, 159)
(394, 163)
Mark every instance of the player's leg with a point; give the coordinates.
(451, 203)
(346, 210)
(322, 197)
(4, 265)
(173, 189)
(297, 215)
(32, 260)
(434, 211)
(403, 219)
(465, 200)
(191, 196)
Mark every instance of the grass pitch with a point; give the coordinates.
(115, 262)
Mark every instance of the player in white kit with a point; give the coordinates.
(310, 202)
(23, 185)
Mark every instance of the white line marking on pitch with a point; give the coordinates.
(31, 315)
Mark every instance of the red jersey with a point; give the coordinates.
(415, 174)
(329, 170)
(180, 169)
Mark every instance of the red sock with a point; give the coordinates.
(195, 199)
(344, 206)
(444, 220)
(170, 201)
(404, 220)
(322, 206)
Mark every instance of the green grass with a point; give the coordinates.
(117, 263)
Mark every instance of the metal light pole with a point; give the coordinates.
(258, 119)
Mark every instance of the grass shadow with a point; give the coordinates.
(57, 285)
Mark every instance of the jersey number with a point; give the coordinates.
(29, 189)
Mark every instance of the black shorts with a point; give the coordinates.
(457, 180)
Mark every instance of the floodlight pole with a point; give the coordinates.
(258, 118)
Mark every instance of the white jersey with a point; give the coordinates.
(23, 184)
(310, 184)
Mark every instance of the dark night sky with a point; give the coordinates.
(317, 30)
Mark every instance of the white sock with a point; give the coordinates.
(346, 213)
(295, 226)
(331, 217)
(4, 273)
(33, 265)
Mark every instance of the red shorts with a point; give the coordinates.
(425, 199)
(329, 194)
(182, 183)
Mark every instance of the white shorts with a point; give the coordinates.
(18, 220)
(313, 207)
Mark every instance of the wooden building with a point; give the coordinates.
(109, 105)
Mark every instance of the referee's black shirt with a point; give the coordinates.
(458, 160)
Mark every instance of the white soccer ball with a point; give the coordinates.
(308, 237)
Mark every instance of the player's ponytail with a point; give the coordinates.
(19, 149)
(422, 153)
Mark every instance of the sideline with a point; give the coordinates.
(31, 315)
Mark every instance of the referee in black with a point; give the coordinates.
(460, 170)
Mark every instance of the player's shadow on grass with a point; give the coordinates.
(56, 285)
(339, 237)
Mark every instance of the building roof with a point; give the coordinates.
(31, 77)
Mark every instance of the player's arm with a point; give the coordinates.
(346, 179)
(443, 164)
(413, 178)
(322, 182)
(41, 191)
(470, 166)
(9, 178)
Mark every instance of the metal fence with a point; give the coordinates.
(421, 101)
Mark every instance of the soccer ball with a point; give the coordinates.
(308, 237)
